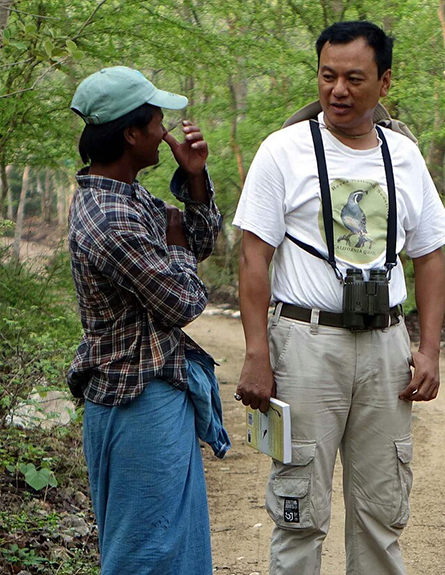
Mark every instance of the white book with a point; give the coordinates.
(270, 432)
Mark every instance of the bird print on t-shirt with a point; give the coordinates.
(354, 219)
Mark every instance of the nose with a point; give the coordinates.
(340, 89)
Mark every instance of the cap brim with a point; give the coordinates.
(168, 100)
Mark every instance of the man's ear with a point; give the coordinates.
(386, 83)
(130, 135)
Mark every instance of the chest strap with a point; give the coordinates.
(391, 234)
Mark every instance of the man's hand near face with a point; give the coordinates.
(191, 155)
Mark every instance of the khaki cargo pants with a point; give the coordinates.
(343, 390)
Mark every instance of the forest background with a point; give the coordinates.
(246, 66)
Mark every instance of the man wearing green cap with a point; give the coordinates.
(134, 264)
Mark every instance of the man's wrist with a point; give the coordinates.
(431, 351)
(258, 353)
(184, 186)
(195, 176)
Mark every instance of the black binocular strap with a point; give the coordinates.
(327, 204)
(391, 234)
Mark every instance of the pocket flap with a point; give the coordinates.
(404, 450)
(291, 486)
(303, 452)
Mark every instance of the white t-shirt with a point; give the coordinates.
(282, 194)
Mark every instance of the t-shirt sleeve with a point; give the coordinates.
(429, 234)
(261, 206)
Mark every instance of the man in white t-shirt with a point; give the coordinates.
(348, 389)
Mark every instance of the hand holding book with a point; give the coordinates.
(270, 432)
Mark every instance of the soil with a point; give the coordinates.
(236, 485)
(39, 241)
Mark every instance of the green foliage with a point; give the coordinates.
(6, 226)
(78, 562)
(28, 517)
(38, 478)
(245, 65)
(23, 556)
(410, 303)
(11, 522)
(39, 330)
(43, 459)
(22, 457)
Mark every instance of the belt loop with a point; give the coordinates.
(385, 329)
(315, 318)
(277, 313)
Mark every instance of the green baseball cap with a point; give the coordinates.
(113, 92)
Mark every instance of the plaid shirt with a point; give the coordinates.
(134, 291)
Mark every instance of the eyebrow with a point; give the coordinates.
(352, 71)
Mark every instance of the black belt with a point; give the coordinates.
(328, 318)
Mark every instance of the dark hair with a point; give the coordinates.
(105, 143)
(345, 32)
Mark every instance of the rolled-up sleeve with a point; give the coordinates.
(202, 222)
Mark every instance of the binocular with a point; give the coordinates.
(366, 303)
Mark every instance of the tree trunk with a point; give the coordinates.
(41, 195)
(441, 14)
(4, 15)
(63, 190)
(9, 206)
(20, 214)
(5, 191)
(233, 133)
(4, 186)
(47, 197)
(72, 191)
(436, 154)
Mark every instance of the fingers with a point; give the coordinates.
(175, 216)
(421, 388)
(424, 385)
(193, 136)
(264, 404)
(175, 234)
(426, 391)
(171, 140)
(255, 388)
(256, 401)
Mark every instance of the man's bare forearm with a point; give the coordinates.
(430, 298)
(254, 295)
(256, 383)
(198, 189)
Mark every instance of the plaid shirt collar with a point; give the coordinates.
(87, 180)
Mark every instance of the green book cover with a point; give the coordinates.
(270, 432)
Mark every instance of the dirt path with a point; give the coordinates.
(240, 525)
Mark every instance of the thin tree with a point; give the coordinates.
(5, 5)
(20, 214)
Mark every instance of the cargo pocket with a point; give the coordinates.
(289, 491)
(404, 450)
